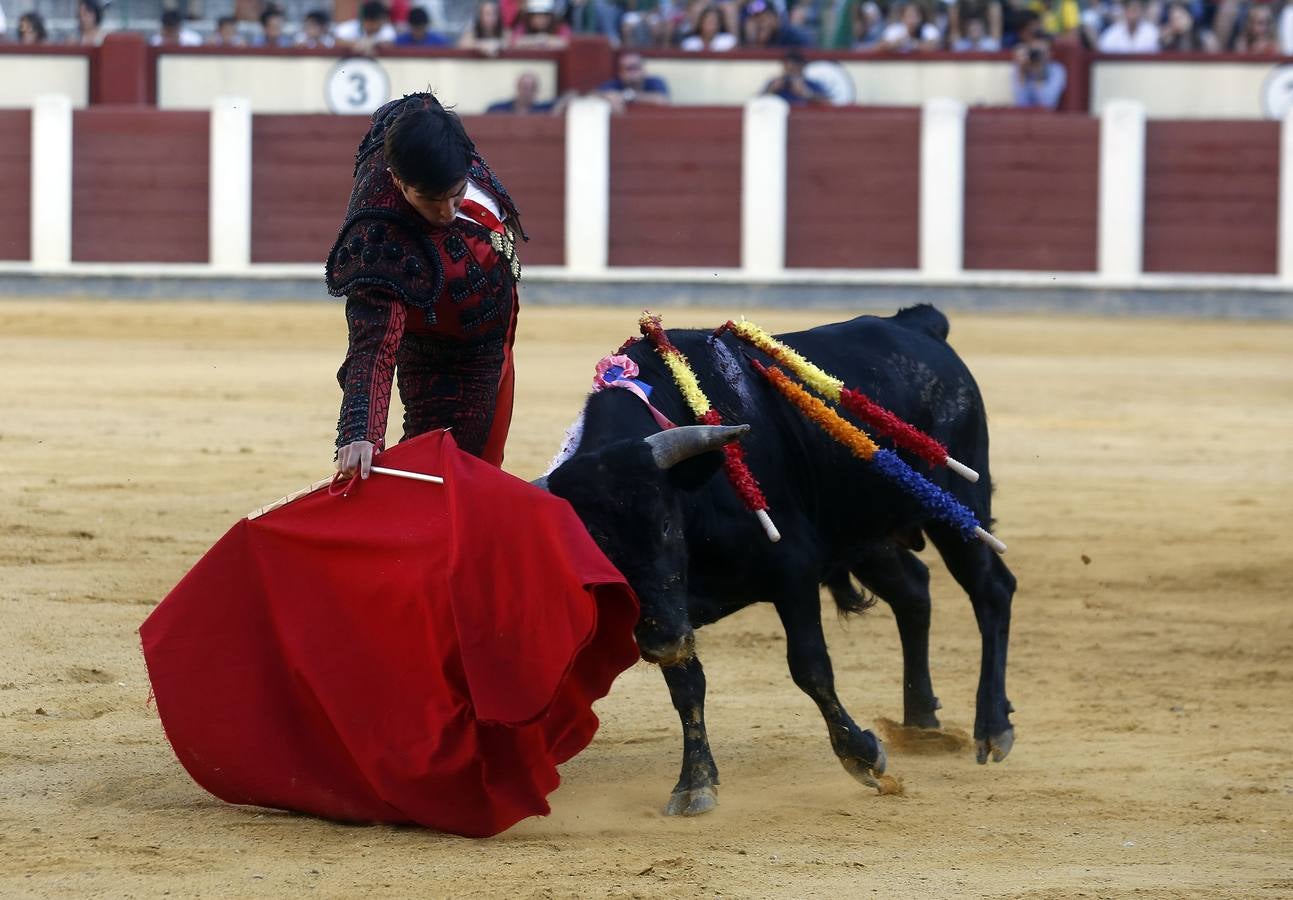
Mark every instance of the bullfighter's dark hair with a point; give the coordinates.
(428, 149)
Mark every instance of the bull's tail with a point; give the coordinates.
(923, 318)
(849, 598)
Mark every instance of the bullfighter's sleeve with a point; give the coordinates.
(376, 324)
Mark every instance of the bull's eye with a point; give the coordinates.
(666, 528)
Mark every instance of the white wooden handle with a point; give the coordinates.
(961, 469)
(988, 538)
(768, 528)
(400, 473)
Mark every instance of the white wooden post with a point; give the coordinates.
(763, 185)
(942, 187)
(588, 184)
(1286, 200)
(51, 181)
(1121, 239)
(229, 215)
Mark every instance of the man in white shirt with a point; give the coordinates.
(373, 27)
(174, 34)
(1131, 34)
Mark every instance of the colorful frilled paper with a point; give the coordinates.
(743, 480)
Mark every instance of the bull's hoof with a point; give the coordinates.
(868, 773)
(694, 802)
(928, 721)
(997, 746)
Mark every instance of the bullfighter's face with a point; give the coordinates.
(438, 209)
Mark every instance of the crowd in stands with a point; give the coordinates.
(1026, 28)
(1110, 26)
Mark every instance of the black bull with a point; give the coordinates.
(694, 554)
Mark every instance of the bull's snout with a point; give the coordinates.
(665, 651)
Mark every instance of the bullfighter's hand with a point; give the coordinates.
(355, 455)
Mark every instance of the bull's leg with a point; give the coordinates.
(697, 788)
(899, 578)
(991, 587)
(810, 665)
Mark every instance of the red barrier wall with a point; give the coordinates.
(1211, 197)
(853, 189)
(1032, 190)
(139, 185)
(300, 184)
(15, 184)
(528, 153)
(301, 181)
(676, 188)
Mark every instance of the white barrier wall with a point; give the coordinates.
(25, 77)
(297, 84)
(1187, 90)
(730, 82)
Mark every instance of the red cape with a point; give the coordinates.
(408, 653)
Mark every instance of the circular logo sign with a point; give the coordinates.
(834, 78)
(356, 86)
(1277, 93)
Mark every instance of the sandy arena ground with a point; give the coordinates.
(1145, 477)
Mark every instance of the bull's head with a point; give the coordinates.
(630, 496)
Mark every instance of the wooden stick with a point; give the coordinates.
(990, 539)
(400, 473)
(295, 495)
(324, 482)
(961, 469)
(768, 528)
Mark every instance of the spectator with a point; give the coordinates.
(1258, 32)
(1022, 27)
(710, 34)
(633, 86)
(793, 86)
(593, 17)
(420, 33)
(1182, 34)
(89, 22)
(1286, 30)
(526, 101)
(372, 28)
(1131, 34)
(760, 25)
(539, 28)
(271, 25)
(173, 33)
(962, 18)
(975, 38)
(314, 31)
(868, 25)
(1038, 80)
(486, 31)
(226, 33)
(912, 31)
(641, 24)
(31, 29)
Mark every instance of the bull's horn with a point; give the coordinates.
(673, 445)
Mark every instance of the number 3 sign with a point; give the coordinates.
(356, 85)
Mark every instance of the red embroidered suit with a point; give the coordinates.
(435, 307)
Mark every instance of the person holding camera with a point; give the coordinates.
(793, 86)
(1037, 79)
